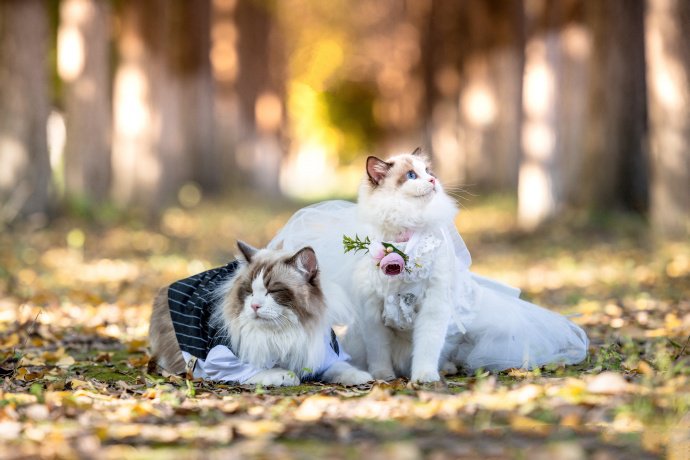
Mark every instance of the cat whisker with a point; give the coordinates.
(461, 194)
(459, 189)
(456, 184)
(282, 321)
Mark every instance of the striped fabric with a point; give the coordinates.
(191, 304)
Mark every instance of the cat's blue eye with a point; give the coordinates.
(411, 175)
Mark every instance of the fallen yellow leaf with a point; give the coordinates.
(10, 341)
(119, 431)
(607, 383)
(672, 321)
(152, 393)
(529, 425)
(456, 425)
(76, 384)
(643, 367)
(31, 361)
(136, 345)
(21, 372)
(571, 421)
(313, 407)
(429, 409)
(260, 428)
(138, 361)
(65, 361)
(144, 408)
(574, 391)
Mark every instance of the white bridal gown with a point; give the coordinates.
(491, 327)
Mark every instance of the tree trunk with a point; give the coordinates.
(443, 54)
(614, 172)
(554, 109)
(163, 103)
(225, 69)
(24, 108)
(394, 42)
(490, 99)
(184, 96)
(136, 166)
(261, 95)
(83, 64)
(668, 65)
(473, 52)
(207, 170)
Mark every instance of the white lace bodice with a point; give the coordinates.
(402, 293)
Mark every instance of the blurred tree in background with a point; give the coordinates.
(568, 104)
(85, 26)
(668, 65)
(24, 109)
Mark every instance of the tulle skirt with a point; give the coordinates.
(508, 332)
(494, 330)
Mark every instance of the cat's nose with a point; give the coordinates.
(255, 306)
(432, 180)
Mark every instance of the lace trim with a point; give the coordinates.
(401, 296)
(399, 311)
(422, 258)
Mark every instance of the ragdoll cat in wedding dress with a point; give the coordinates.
(434, 314)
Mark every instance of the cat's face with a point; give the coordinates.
(408, 176)
(278, 290)
(403, 192)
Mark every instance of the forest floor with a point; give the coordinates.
(75, 300)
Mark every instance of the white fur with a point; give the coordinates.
(418, 205)
(272, 337)
(291, 347)
(275, 377)
(414, 206)
(345, 374)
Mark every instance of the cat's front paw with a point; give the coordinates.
(274, 378)
(354, 377)
(425, 376)
(345, 374)
(383, 374)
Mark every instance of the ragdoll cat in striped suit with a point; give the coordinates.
(263, 319)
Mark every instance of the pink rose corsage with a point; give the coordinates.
(393, 264)
(390, 259)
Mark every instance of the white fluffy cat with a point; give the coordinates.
(402, 197)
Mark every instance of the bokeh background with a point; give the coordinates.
(564, 105)
(140, 138)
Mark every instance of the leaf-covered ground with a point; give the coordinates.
(74, 305)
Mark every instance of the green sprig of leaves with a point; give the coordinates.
(355, 244)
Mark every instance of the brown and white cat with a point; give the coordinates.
(405, 318)
(264, 320)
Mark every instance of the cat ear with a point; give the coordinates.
(246, 250)
(377, 169)
(419, 153)
(305, 262)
